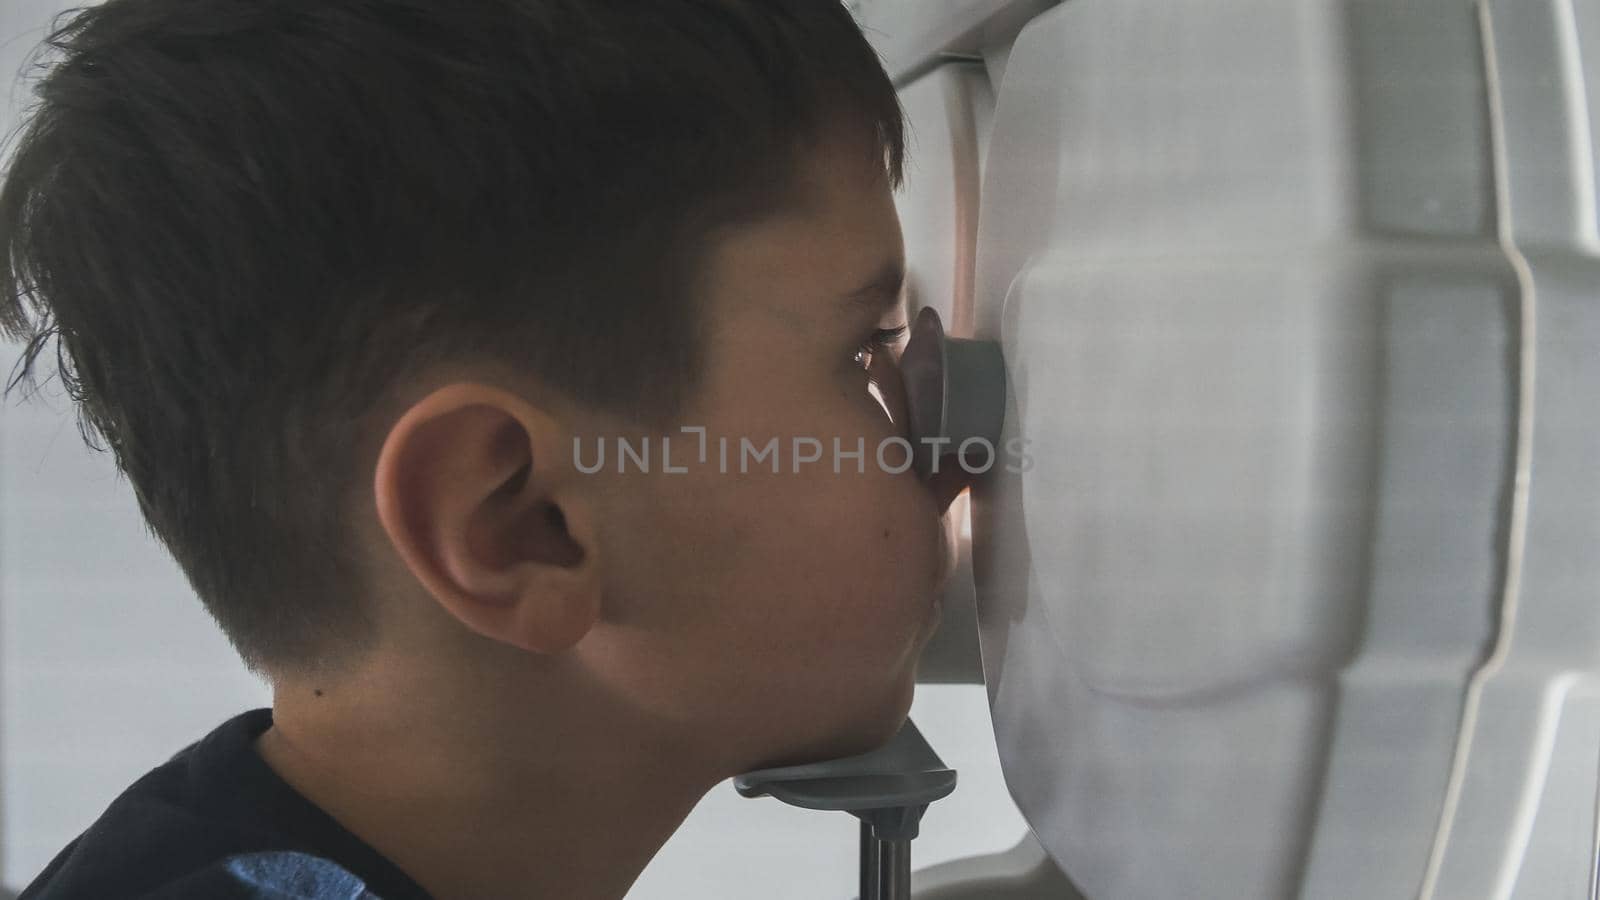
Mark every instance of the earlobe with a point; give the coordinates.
(476, 500)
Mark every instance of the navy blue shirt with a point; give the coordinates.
(216, 823)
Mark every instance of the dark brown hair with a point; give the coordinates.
(245, 221)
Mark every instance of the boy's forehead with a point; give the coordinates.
(825, 265)
(839, 244)
(881, 291)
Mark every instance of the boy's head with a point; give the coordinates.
(340, 283)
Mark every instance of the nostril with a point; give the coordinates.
(948, 483)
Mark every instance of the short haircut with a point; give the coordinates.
(246, 221)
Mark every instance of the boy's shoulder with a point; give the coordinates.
(274, 874)
(216, 822)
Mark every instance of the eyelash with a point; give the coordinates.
(879, 342)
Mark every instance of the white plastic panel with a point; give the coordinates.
(1519, 819)
(1433, 581)
(914, 36)
(1256, 269)
(1159, 631)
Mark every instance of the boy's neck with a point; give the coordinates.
(499, 796)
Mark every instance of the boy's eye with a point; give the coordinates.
(880, 341)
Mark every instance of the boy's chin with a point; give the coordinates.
(863, 735)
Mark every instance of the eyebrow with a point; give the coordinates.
(881, 292)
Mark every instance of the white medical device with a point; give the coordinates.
(1299, 304)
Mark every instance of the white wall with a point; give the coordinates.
(109, 665)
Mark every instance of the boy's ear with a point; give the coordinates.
(476, 490)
